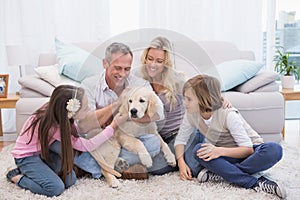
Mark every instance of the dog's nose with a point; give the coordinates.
(133, 112)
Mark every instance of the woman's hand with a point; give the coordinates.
(184, 171)
(208, 152)
(226, 103)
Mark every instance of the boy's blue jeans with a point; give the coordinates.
(240, 171)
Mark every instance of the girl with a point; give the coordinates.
(41, 170)
(234, 151)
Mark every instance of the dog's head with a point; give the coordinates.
(138, 101)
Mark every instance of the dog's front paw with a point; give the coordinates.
(146, 160)
(171, 160)
(121, 165)
(115, 184)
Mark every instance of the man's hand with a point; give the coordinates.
(105, 115)
(89, 122)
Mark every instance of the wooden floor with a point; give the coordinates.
(7, 139)
(4, 143)
(292, 135)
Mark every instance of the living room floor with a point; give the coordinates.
(292, 135)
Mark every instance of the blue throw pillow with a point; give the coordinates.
(235, 72)
(75, 62)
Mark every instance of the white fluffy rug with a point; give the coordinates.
(163, 187)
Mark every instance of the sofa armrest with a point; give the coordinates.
(25, 107)
(264, 111)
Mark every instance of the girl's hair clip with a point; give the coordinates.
(73, 106)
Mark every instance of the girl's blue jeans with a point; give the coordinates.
(240, 171)
(41, 177)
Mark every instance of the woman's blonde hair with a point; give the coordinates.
(208, 91)
(171, 80)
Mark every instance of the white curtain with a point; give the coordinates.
(236, 21)
(35, 24)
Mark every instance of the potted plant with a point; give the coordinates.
(287, 68)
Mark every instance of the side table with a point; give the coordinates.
(290, 94)
(8, 102)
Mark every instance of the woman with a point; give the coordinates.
(158, 68)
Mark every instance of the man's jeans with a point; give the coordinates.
(160, 166)
(152, 144)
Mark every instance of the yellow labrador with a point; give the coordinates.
(136, 103)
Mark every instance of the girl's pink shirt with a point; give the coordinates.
(22, 149)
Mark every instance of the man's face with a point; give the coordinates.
(118, 70)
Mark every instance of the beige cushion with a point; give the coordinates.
(260, 79)
(51, 75)
(35, 83)
(271, 87)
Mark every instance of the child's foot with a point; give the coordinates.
(205, 175)
(268, 186)
(13, 175)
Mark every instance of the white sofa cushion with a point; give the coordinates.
(259, 80)
(51, 75)
(35, 83)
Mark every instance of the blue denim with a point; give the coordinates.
(152, 144)
(191, 162)
(84, 161)
(41, 178)
(241, 171)
(160, 166)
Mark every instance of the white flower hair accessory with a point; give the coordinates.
(73, 106)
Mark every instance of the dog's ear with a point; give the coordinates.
(152, 105)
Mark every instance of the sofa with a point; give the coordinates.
(257, 97)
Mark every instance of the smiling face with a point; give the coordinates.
(191, 101)
(155, 61)
(118, 70)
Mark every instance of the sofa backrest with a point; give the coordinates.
(189, 57)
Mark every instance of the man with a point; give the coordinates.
(103, 92)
